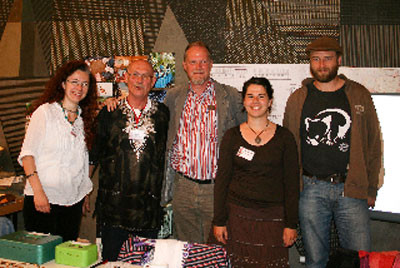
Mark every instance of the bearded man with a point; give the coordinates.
(201, 111)
(337, 132)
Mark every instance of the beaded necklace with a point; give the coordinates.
(66, 111)
(143, 124)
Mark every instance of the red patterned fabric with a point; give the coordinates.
(140, 251)
(386, 259)
(396, 263)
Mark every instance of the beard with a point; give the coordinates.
(325, 78)
(198, 80)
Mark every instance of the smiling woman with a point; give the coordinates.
(256, 188)
(75, 88)
(54, 154)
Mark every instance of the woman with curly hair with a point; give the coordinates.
(55, 152)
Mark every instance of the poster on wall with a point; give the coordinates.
(284, 79)
(103, 70)
(164, 66)
(376, 80)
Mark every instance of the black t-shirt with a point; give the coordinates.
(325, 132)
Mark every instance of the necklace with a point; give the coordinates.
(65, 111)
(71, 111)
(257, 138)
(137, 117)
(139, 128)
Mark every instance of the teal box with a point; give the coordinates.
(76, 254)
(29, 247)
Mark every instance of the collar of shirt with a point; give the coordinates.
(209, 89)
(137, 112)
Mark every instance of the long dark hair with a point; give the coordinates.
(54, 92)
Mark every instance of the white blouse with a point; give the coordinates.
(60, 155)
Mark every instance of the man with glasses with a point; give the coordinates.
(130, 149)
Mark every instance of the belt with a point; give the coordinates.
(194, 180)
(333, 178)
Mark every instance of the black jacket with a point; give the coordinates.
(129, 186)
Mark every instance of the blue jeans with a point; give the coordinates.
(320, 202)
(6, 226)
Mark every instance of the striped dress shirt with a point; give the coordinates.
(195, 149)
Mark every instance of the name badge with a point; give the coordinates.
(137, 134)
(245, 153)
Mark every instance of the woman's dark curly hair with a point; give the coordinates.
(54, 92)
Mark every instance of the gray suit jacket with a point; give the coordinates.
(229, 112)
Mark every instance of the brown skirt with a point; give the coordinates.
(255, 237)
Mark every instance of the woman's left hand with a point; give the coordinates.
(86, 205)
(221, 233)
(289, 236)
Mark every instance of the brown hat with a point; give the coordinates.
(324, 44)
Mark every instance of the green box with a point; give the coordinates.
(29, 247)
(76, 254)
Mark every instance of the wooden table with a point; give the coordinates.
(12, 207)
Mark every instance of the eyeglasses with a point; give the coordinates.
(138, 75)
(76, 83)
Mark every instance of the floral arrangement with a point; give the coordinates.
(164, 65)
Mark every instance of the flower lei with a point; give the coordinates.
(144, 124)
